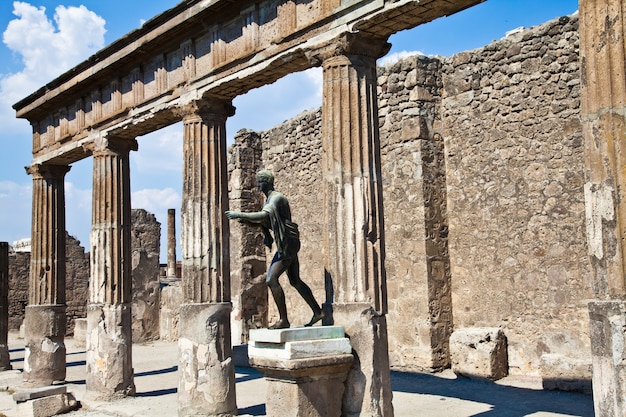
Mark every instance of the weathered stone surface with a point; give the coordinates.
(304, 387)
(76, 284)
(145, 238)
(607, 323)
(368, 389)
(30, 394)
(80, 332)
(171, 300)
(5, 360)
(48, 406)
(207, 373)
(247, 252)
(558, 372)
(514, 165)
(19, 269)
(109, 352)
(479, 353)
(44, 352)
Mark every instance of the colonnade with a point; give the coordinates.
(353, 247)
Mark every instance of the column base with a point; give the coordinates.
(309, 387)
(608, 352)
(44, 354)
(206, 384)
(109, 352)
(368, 386)
(5, 359)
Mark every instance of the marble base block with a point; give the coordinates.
(305, 368)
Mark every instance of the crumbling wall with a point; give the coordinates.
(145, 243)
(76, 284)
(76, 281)
(248, 257)
(416, 227)
(19, 267)
(515, 192)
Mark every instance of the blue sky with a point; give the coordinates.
(43, 38)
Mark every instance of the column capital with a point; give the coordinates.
(41, 171)
(349, 45)
(206, 109)
(108, 145)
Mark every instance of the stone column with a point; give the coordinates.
(109, 333)
(207, 373)
(354, 243)
(603, 64)
(44, 319)
(171, 243)
(5, 361)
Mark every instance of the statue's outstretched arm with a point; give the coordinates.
(255, 217)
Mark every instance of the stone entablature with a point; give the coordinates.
(199, 49)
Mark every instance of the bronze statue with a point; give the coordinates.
(276, 215)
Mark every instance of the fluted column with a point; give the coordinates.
(603, 64)
(109, 333)
(204, 233)
(5, 359)
(205, 318)
(44, 320)
(354, 244)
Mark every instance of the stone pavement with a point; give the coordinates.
(414, 395)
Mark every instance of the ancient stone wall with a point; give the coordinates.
(416, 229)
(145, 243)
(76, 281)
(506, 192)
(515, 192)
(145, 240)
(76, 285)
(248, 257)
(19, 267)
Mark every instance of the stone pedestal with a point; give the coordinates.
(608, 350)
(305, 368)
(109, 352)
(206, 384)
(44, 354)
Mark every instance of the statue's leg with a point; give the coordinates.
(293, 273)
(277, 267)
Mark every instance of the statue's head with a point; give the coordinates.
(265, 176)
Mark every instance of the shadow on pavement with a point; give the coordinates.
(158, 371)
(506, 401)
(247, 374)
(255, 410)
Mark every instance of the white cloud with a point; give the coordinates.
(46, 49)
(156, 200)
(396, 56)
(15, 208)
(159, 151)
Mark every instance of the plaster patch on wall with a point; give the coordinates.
(599, 206)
